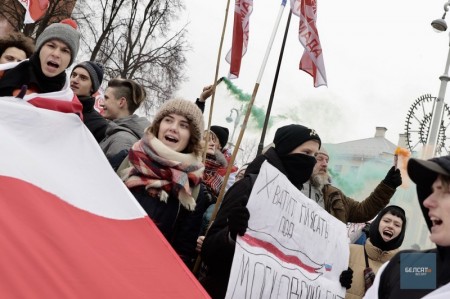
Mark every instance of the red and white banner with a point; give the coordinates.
(35, 9)
(241, 29)
(69, 228)
(312, 58)
(63, 101)
(272, 259)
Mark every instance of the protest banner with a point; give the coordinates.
(292, 248)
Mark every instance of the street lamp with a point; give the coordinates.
(430, 149)
(439, 25)
(236, 119)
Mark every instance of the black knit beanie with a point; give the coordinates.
(374, 233)
(95, 71)
(222, 134)
(289, 137)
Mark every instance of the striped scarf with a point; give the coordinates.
(160, 168)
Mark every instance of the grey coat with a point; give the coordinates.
(122, 133)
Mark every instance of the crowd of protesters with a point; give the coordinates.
(176, 168)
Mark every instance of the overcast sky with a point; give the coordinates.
(379, 57)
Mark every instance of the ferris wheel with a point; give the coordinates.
(418, 123)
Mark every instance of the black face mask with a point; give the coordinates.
(299, 168)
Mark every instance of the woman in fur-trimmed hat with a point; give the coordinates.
(166, 172)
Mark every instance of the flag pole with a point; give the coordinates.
(244, 125)
(274, 86)
(216, 82)
(216, 75)
(247, 114)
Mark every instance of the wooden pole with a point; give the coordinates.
(213, 96)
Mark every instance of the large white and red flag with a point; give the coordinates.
(241, 29)
(35, 9)
(63, 100)
(312, 58)
(69, 228)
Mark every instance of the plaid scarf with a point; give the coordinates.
(213, 178)
(163, 170)
(227, 154)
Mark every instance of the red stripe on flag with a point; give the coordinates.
(37, 8)
(51, 249)
(312, 59)
(236, 49)
(278, 253)
(66, 106)
(242, 11)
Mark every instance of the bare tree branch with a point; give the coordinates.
(133, 39)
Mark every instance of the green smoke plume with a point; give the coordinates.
(258, 113)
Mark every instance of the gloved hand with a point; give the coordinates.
(238, 221)
(346, 278)
(393, 178)
(369, 277)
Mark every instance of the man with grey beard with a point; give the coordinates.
(344, 208)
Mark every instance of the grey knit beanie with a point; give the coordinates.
(95, 71)
(185, 108)
(65, 31)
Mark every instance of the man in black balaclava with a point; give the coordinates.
(294, 156)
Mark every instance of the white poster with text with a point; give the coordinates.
(292, 248)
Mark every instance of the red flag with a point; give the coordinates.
(69, 228)
(312, 58)
(35, 9)
(242, 11)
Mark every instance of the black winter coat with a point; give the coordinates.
(96, 123)
(390, 278)
(179, 226)
(218, 248)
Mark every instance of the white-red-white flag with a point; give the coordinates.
(63, 101)
(69, 228)
(241, 29)
(312, 58)
(35, 9)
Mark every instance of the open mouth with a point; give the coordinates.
(53, 64)
(171, 139)
(388, 234)
(436, 221)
